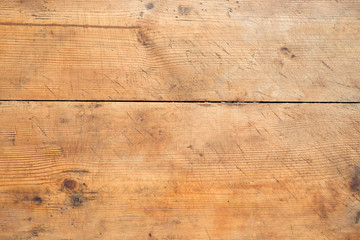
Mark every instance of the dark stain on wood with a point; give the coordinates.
(149, 6)
(354, 184)
(94, 105)
(35, 231)
(143, 38)
(287, 52)
(37, 200)
(69, 184)
(357, 218)
(184, 10)
(322, 211)
(77, 200)
(64, 120)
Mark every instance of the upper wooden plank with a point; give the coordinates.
(180, 50)
(179, 171)
(128, 13)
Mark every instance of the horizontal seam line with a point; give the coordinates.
(66, 25)
(169, 101)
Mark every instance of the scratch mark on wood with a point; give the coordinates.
(66, 25)
(241, 170)
(75, 171)
(326, 65)
(283, 186)
(43, 132)
(50, 90)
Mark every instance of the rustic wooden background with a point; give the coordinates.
(179, 119)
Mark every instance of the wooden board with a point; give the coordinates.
(179, 171)
(134, 165)
(128, 13)
(180, 50)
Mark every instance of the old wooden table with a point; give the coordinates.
(180, 119)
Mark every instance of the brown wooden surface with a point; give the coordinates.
(179, 171)
(134, 164)
(262, 50)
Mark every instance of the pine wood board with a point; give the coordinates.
(180, 50)
(179, 171)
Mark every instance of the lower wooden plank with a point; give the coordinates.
(179, 171)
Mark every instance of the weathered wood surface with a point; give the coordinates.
(179, 171)
(101, 170)
(180, 50)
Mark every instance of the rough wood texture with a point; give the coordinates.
(179, 171)
(180, 50)
(150, 170)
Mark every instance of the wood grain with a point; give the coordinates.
(128, 13)
(262, 50)
(179, 171)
